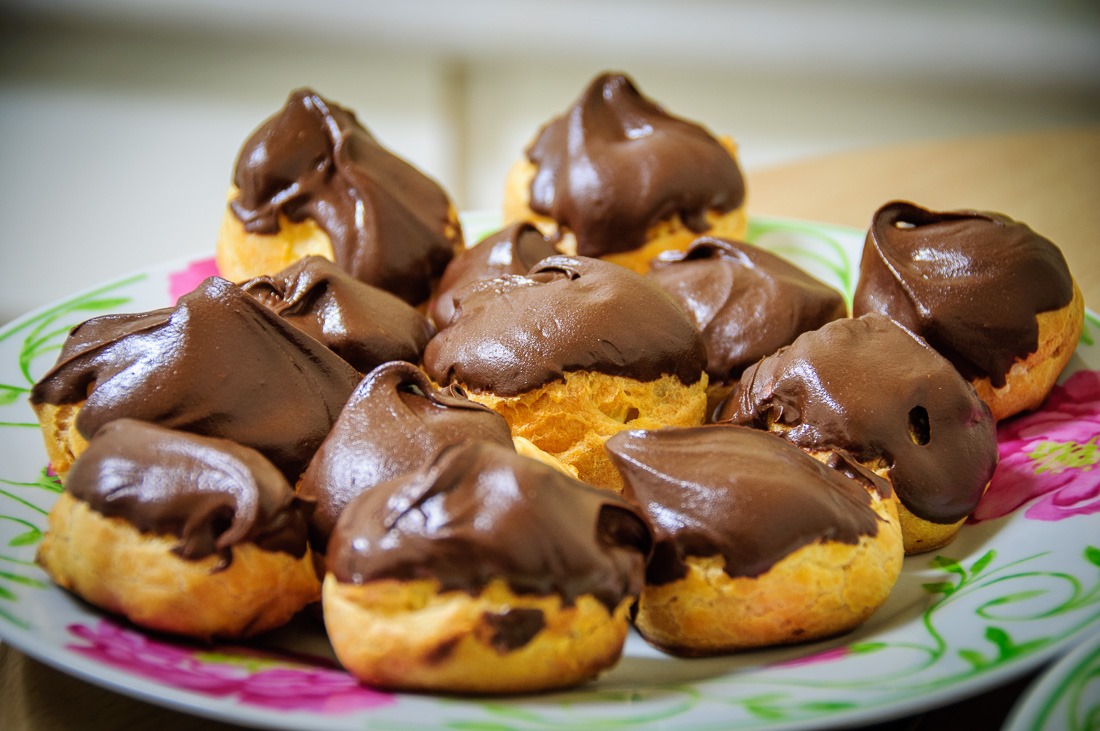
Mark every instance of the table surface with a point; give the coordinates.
(1049, 179)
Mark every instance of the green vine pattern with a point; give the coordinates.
(1075, 697)
(43, 335)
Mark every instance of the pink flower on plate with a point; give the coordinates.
(183, 281)
(256, 679)
(1051, 457)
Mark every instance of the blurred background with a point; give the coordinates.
(120, 120)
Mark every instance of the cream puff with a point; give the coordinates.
(483, 572)
(618, 177)
(313, 180)
(991, 295)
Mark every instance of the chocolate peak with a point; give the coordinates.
(616, 164)
(970, 283)
(481, 512)
(516, 333)
(746, 302)
(396, 421)
(218, 363)
(210, 493)
(364, 325)
(390, 225)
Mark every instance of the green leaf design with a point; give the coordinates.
(862, 648)
(1092, 555)
(26, 539)
(480, 726)
(975, 658)
(949, 564)
(939, 587)
(24, 580)
(827, 706)
(982, 562)
(11, 394)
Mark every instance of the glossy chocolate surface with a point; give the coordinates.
(389, 223)
(746, 302)
(218, 363)
(395, 422)
(482, 512)
(210, 493)
(516, 333)
(869, 387)
(364, 325)
(743, 494)
(512, 250)
(968, 282)
(615, 164)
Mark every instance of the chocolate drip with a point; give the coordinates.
(218, 363)
(482, 512)
(743, 494)
(512, 250)
(210, 493)
(390, 225)
(615, 164)
(869, 387)
(968, 282)
(364, 325)
(745, 301)
(516, 333)
(395, 422)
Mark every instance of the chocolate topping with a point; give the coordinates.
(743, 494)
(218, 363)
(512, 250)
(364, 325)
(210, 493)
(745, 301)
(968, 282)
(394, 423)
(390, 225)
(616, 164)
(872, 388)
(482, 512)
(516, 333)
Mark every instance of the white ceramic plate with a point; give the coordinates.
(1066, 697)
(1016, 589)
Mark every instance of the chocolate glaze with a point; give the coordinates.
(364, 325)
(482, 512)
(513, 628)
(869, 387)
(218, 363)
(745, 301)
(210, 493)
(743, 494)
(615, 164)
(512, 250)
(396, 421)
(388, 222)
(516, 333)
(968, 282)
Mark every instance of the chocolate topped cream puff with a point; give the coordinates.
(395, 422)
(219, 363)
(617, 177)
(313, 180)
(756, 542)
(869, 387)
(746, 302)
(181, 533)
(991, 295)
(483, 572)
(512, 250)
(574, 351)
(364, 325)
